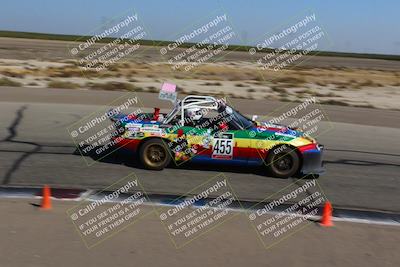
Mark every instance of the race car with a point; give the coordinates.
(208, 130)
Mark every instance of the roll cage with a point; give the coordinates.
(201, 102)
(191, 101)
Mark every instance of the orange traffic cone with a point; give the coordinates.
(327, 215)
(46, 201)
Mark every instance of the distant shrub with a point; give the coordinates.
(62, 84)
(8, 82)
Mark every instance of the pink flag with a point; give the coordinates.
(168, 87)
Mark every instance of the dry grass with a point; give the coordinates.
(334, 102)
(113, 86)
(212, 84)
(369, 83)
(14, 73)
(290, 80)
(246, 80)
(62, 84)
(240, 85)
(279, 89)
(152, 89)
(8, 82)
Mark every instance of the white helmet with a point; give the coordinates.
(194, 114)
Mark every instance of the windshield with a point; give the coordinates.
(239, 121)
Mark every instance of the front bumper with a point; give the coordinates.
(312, 161)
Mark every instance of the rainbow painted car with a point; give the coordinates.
(207, 130)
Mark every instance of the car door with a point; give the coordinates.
(232, 145)
(223, 145)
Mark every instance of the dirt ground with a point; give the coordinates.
(337, 81)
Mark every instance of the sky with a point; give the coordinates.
(361, 26)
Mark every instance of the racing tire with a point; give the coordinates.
(282, 162)
(154, 154)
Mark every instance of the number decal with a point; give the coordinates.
(223, 147)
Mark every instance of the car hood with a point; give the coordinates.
(277, 129)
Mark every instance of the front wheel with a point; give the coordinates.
(282, 162)
(154, 155)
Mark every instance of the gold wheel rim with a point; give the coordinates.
(155, 155)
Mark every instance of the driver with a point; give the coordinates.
(193, 116)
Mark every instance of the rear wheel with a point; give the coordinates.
(154, 154)
(283, 162)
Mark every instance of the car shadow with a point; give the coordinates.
(128, 158)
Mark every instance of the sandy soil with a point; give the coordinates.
(344, 84)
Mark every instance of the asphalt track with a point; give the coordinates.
(50, 239)
(362, 156)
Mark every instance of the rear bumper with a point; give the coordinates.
(312, 161)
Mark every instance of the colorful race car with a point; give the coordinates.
(208, 130)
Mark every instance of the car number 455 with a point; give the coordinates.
(222, 148)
